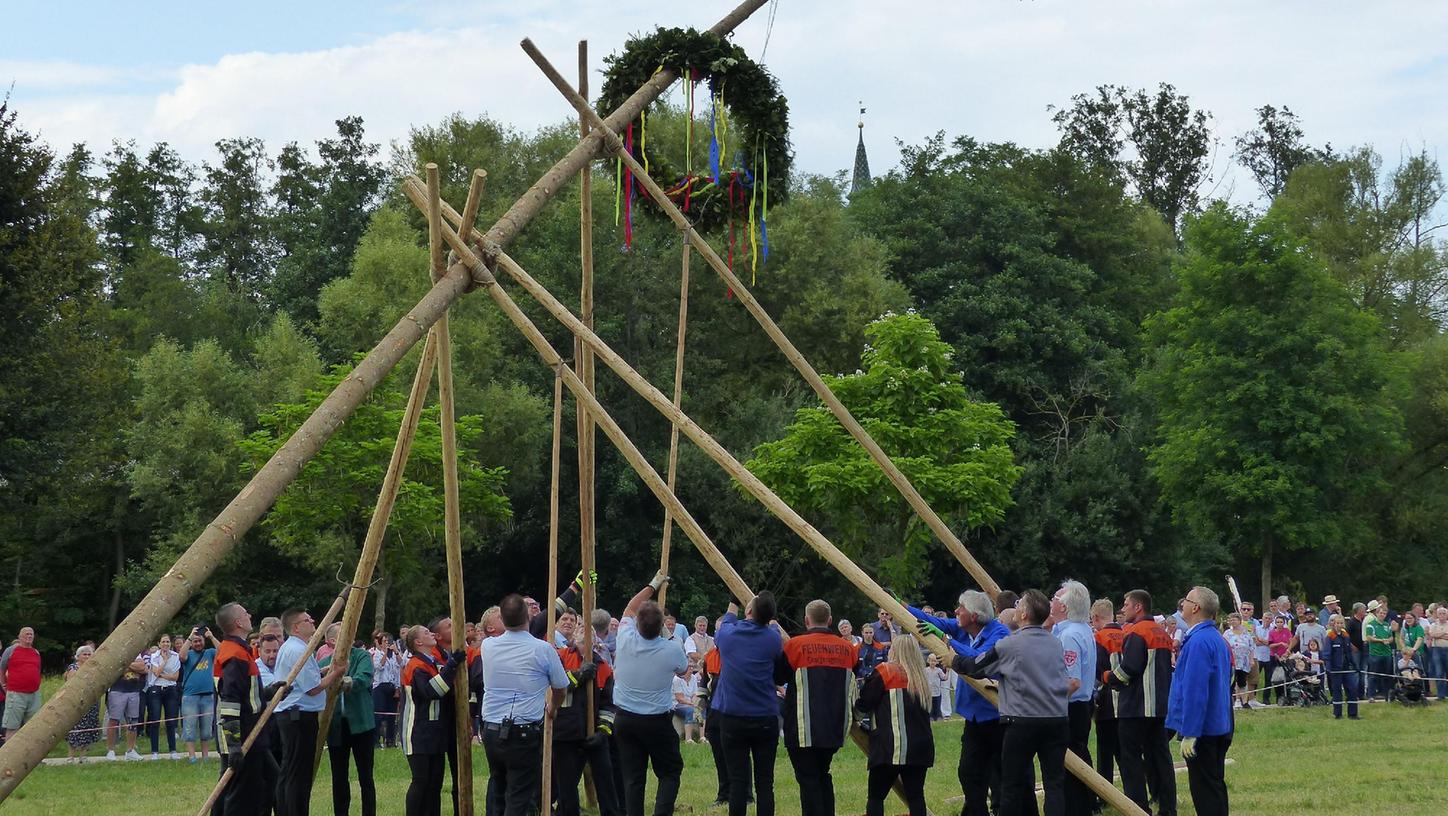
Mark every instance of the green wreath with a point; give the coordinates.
(757, 117)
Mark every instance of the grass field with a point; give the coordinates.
(1286, 762)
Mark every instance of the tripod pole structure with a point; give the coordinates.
(552, 611)
(674, 429)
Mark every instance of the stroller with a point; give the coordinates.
(1409, 688)
(1305, 687)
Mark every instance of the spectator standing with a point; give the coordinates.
(938, 678)
(1070, 613)
(972, 632)
(1142, 680)
(896, 698)
(1260, 652)
(353, 732)
(1200, 708)
(817, 669)
(1411, 640)
(747, 703)
(885, 629)
(20, 679)
(643, 694)
(1307, 631)
(123, 707)
(86, 731)
(198, 691)
(1034, 688)
(386, 684)
(1378, 637)
(1330, 606)
(163, 696)
(1240, 643)
(871, 653)
(298, 712)
(1438, 651)
(703, 642)
(1279, 641)
(1342, 673)
(847, 631)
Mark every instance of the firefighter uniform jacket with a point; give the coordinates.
(238, 690)
(572, 718)
(901, 725)
(427, 711)
(1142, 677)
(713, 664)
(818, 668)
(1108, 657)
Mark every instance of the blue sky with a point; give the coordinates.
(191, 73)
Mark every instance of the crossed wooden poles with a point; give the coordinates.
(476, 257)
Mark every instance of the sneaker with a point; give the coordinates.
(133, 756)
(111, 756)
(175, 756)
(191, 760)
(154, 756)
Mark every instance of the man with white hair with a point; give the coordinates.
(1199, 708)
(1070, 615)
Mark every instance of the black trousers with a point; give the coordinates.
(517, 763)
(750, 741)
(1042, 739)
(1079, 799)
(359, 747)
(882, 778)
(716, 747)
(816, 786)
(1108, 745)
(384, 703)
(424, 793)
(297, 731)
(980, 766)
(569, 759)
(1146, 763)
(645, 739)
(249, 793)
(1344, 682)
(1207, 775)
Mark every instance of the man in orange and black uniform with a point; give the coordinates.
(239, 703)
(1142, 682)
(573, 746)
(1109, 636)
(442, 630)
(818, 668)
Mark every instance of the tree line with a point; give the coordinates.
(1091, 365)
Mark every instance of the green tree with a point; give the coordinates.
(239, 248)
(957, 452)
(1275, 148)
(1269, 386)
(128, 226)
(178, 214)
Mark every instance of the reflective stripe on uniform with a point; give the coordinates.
(897, 725)
(439, 685)
(801, 707)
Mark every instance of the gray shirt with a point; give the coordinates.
(1032, 670)
(1308, 632)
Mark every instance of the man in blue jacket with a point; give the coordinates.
(746, 703)
(972, 632)
(1200, 706)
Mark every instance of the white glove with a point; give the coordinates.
(1189, 747)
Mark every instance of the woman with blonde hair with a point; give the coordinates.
(897, 696)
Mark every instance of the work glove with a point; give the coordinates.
(961, 664)
(232, 729)
(270, 691)
(592, 578)
(1189, 747)
(596, 740)
(458, 656)
(346, 682)
(659, 580)
(925, 627)
(586, 672)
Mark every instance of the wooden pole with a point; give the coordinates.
(312, 643)
(674, 429)
(377, 528)
(24, 751)
(552, 612)
(912, 496)
(723, 458)
(452, 527)
(584, 355)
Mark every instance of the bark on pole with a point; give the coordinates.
(316, 639)
(722, 457)
(22, 752)
(674, 429)
(452, 514)
(912, 496)
(552, 611)
(586, 439)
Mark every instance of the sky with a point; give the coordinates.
(190, 73)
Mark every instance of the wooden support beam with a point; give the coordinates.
(552, 611)
(586, 438)
(912, 496)
(24, 751)
(678, 400)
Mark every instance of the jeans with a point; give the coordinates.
(645, 739)
(816, 786)
(1380, 675)
(750, 740)
(162, 701)
(1438, 668)
(198, 711)
(1206, 775)
(384, 703)
(912, 781)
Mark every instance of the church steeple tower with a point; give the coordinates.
(861, 178)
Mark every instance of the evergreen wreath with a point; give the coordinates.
(755, 125)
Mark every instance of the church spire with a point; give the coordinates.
(861, 179)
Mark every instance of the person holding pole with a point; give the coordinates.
(818, 668)
(972, 632)
(525, 682)
(353, 732)
(428, 709)
(298, 712)
(896, 697)
(573, 746)
(1200, 707)
(239, 703)
(1070, 611)
(645, 665)
(442, 631)
(1142, 682)
(747, 702)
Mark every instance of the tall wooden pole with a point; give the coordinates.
(552, 612)
(715, 451)
(24, 751)
(452, 527)
(584, 355)
(912, 496)
(674, 429)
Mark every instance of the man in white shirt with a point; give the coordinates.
(298, 711)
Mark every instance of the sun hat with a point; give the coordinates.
(1331, 599)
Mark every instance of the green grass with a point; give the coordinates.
(1286, 762)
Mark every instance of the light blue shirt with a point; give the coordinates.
(518, 670)
(309, 678)
(1078, 647)
(644, 670)
(267, 676)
